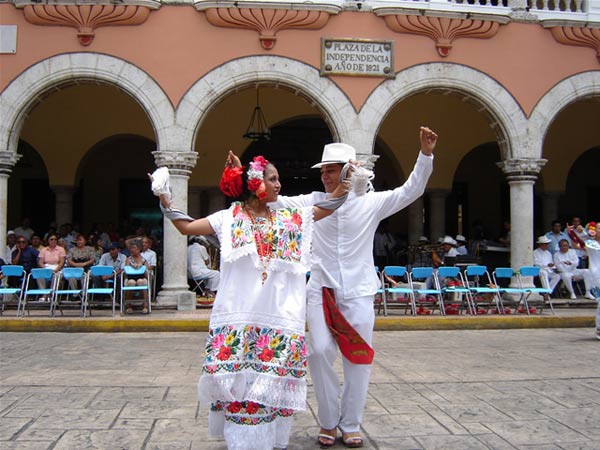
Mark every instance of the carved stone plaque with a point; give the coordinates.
(357, 57)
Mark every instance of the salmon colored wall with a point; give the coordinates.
(177, 45)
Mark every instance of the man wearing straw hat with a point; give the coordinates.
(543, 259)
(342, 286)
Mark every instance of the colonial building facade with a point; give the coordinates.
(95, 94)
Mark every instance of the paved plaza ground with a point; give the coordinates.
(459, 389)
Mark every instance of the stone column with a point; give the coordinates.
(415, 221)
(174, 290)
(521, 175)
(7, 162)
(549, 209)
(194, 202)
(64, 204)
(437, 213)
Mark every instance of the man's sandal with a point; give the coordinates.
(352, 439)
(326, 438)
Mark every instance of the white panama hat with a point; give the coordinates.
(448, 240)
(460, 238)
(543, 240)
(336, 153)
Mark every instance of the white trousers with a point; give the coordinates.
(338, 406)
(551, 278)
(576, 275)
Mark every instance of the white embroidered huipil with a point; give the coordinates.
(255, 357)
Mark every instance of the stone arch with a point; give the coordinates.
(506, 116)
(25, 90)
(569, 90)
(338, 112)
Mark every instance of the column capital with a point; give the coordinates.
(8, 160)
(367, 160)
(178, 163)
(522, 169)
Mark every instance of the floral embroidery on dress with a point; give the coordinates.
(285, 236)
(260, 349)
(249, 413)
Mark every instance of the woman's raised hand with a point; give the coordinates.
(232, 160)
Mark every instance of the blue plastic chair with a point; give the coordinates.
(422, 297)
(7, 292)
(450, 282)
(543, 291)
(479, 282)
(129, 271)
(64, 294)
(404, 294)
(108, 291)
(43, 296)
(502, 278)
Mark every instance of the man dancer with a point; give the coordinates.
(343, 249)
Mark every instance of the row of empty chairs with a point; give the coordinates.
(71, 288)
(470, 289)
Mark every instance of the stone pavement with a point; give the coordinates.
(459, 389)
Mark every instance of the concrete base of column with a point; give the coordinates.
(182, 299)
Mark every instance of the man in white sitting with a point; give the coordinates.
(461, 245)
(566, 261)
(199, 265)
(543, 259)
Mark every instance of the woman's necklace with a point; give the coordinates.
(263, 237)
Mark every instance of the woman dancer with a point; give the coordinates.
(592, 247)
(253, 376)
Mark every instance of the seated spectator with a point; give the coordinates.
(111, 258)
(556, 234)
(51, 257)
(149, 254)
(65, 232)
(24, 255)
(11, 245)
(96, 244)
(461, 245)
(36, 242)
(566, 262)
(448, 251)
(199, 265)
(136, 260)
(542, 258)
(25, 229)
(2, 263)
(82, 255)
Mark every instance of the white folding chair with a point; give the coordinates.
(11, 291)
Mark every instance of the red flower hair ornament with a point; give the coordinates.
(256, 174)
(231, 181)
